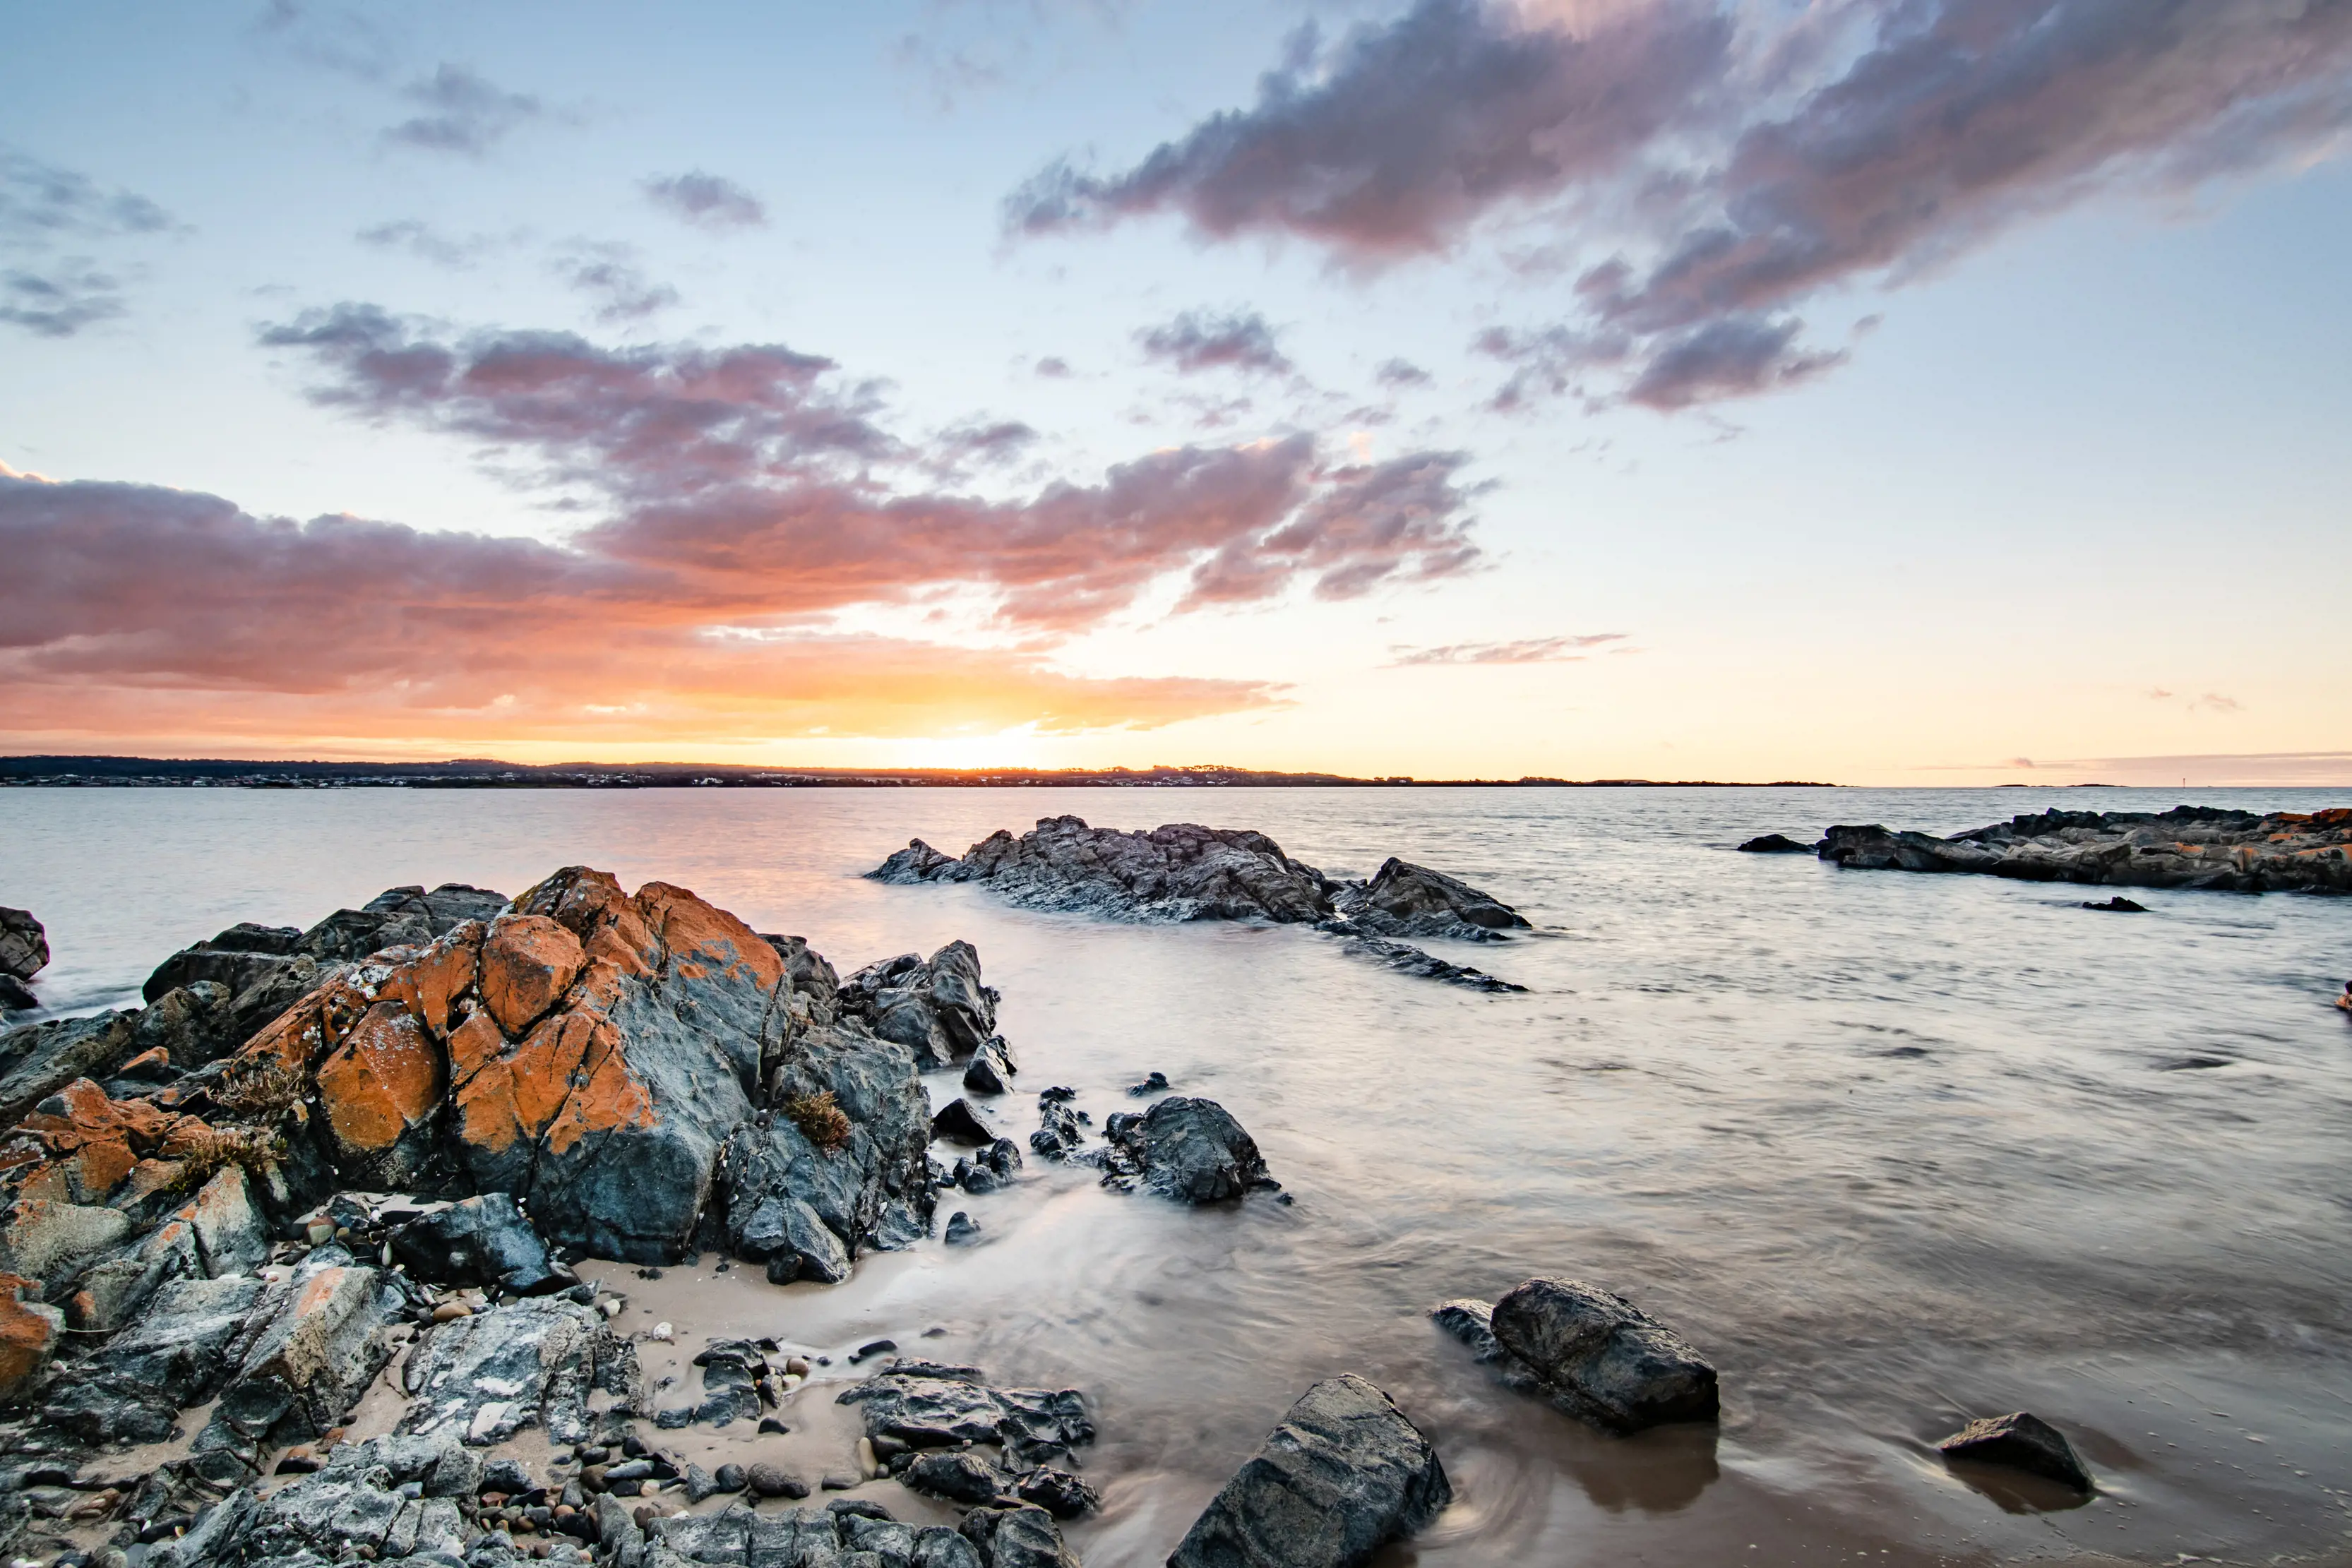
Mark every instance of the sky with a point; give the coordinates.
(1890, 391)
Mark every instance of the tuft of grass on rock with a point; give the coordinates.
(820, 1120)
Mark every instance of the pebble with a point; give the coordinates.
(450, 1311)
(868, 1463)
(661, 1332)
(798, 1366)
(771, 1480)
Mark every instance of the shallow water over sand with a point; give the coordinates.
(1894, 1150)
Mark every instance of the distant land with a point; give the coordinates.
(484, 773)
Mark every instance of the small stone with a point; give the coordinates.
(839, 1482)
(765, 1479)
(2020, 1441)
(1152, 1084)
(660, 1333)
(963, 1230)
(868, 1462)
(872, 1348)
(772, 1428)
(798, 1366)
(450, 1311)
(729, 1478)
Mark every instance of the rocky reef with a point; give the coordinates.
(2186, 847)
(1184, 871)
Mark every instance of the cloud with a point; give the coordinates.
(43, 207)
(1200, 341)
(1052, 367)
(335, 38)
(707, 201)
(464, 113)
(134, 609)
(1526, 651)
(1718, 166)
(609, 275)
(1402, 373)
(763, 483)
(2209, 702)
(422, 240)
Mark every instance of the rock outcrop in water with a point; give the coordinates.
(2019, 1441)
(1590, 1353)
(1184, 872)
(24, 953)
(2186, 847)
(1346, 1473)
(1188, 1149)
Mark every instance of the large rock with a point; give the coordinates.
(1407, 900)
(1188, 1149)
(24, 945)
(177, 1354)
(387, 1499)
(2019, 1441)
(1180, 872)
(1590, 1352)
(936, 1007)
(2186, 847)
(483, 1378)
(487, 1241)
(310, 1347)
(1023, 1536)
(40, 1058)
(925, 1405)
(1345, 1474)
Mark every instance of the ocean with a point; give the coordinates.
(1893, 1151)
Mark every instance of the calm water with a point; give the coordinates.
(1894, 1150)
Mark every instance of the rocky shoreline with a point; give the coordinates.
(2199, 847)
(1182, 872)
(330, 1253)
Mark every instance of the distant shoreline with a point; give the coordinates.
(478, 773)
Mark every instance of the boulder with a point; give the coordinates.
(308, 1348)
(956, 1476)
(24, 945)
(957, 1123)
(936, 1007)
(387, 1499)
(1775, 844)
(37, 1060)
(1058, 1135)
(1407, 959)
(1407, 900)
(487, 1241)
(991, 1070)
(2199, 847)
(963, 1230)
(532, 1363)
(175, 1355)
(29, 1332)
(16, 997)
(916, 862)
(1343, 1475)
(234, 959)
(2019, 1441)
(1595, 1356)
(926, 1405)
(1023, 1536)
(1189, 1149)
(41, 1239)
(1180, 872)
(192, 1025)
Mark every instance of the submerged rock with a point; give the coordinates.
(1407, 900)
(1189, 1149)
(1344, 1474)
(1407, 959)
(2188, 846)
(2021, 1442)
(2119, 904)
(1590, 1353)
(1775, 844)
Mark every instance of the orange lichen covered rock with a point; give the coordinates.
(380, 1085)
(528, 962)
(86, 1150)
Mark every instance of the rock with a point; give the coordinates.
(926, 1405)
(1181, 871)
(1058, 1134)
(235, 960)
(730, 1478)
(308, 1348)
(788, 1236)
(1599, 1357)
(487, 1241)
(916, 862)
(989, 1070)
(2119, 904)
(963, 1230)
(936, 1007)
(960, 1475)
(699, 1484)
(770, 1480)
(1153, 1082)
(1407, 900)
(1019, 1537)
(175, 1355)
(532, 1362)
(1775, 844)
(29, 1332)
(1346, 1473)
(386, 1498)
(39, 1239)
(229, 1234)
(24, 945)
(1190, 1150)
(37, 1060)
(1059, 1493)
(2186, 847)
(960, 1124)
(2023, 1442)
(16, 997)
(1407, 959)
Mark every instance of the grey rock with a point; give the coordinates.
(1058, 1135)
(37, 1060)
(936, 1007)
(1343, 1475)
(234, 959)
(310, 1347)
(765, 1479)
(2019, 1441)
(991, 1070)
(16, 997)
(191, 1024)
(1407, 959)
(1190, 1150)
(24, 945)
(1153, 1082)
(1407, 900)
(916, 862)
(175, 1355)
(926, 1406)
(958, 1123)
(2197, 847)
(1059, 1493)
(1180, 872)
(532, 1362)
(395, 1500)
(1023, 1536)
(1601, 1358)
(958, 1476)
(963, 1230)
(487, 1241)
(1775, 844)
(937, 1546)
(41, 1239)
